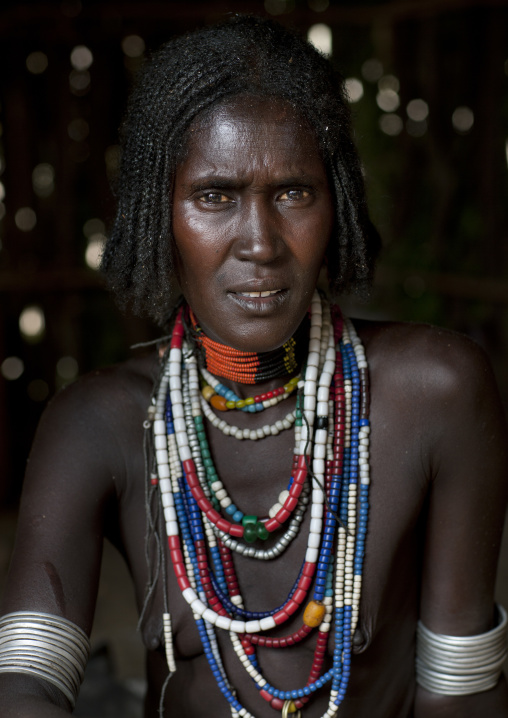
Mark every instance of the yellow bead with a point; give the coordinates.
(249, 401)
(207, 392)
(290, 709)
(230, 404)
(314, 613)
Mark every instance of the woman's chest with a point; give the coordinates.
(254, 483)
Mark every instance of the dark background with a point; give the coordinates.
(437, 189)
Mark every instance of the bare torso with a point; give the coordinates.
(382, 681)
(420, 412)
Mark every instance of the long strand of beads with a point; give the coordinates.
(191, 477)
(205, 628)
(251, 528)
(340, 671)
(316, 347)
(317, 606)
(254, 529)
(334, 435)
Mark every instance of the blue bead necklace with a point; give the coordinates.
(334, 434)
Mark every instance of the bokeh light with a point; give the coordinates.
(2, 191)
(391, 124)
(79, 81)
(133, 45)
(387, 100)
(25, 219)
(320, 35)
(93, 226)
(67, 368)
(354, 89)
(463, 119)
(388, 82)
(417, 110)
(32, 322)
(78, 129)
(43, 179)
(12, 368)
(81, 57)
(94, 250)
(37, 62)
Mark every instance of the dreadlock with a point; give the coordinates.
(187, 77)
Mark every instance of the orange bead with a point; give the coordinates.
(314, 613)
(218, 402)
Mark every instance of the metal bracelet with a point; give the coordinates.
(46, 646)
(460, 665)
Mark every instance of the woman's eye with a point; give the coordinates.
(213, 198)
(294, 195)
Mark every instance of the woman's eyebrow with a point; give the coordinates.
(215, 181)
(222, 182)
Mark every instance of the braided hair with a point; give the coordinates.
(188, 76)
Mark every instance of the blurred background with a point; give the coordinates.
(428, 85)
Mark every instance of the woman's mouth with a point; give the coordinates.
(264, 301)
(268, 293)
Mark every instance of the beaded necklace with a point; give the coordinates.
(246, 367)
(330, 465)
(223, 399)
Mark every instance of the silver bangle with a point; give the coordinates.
(46, 646)
(460, 665)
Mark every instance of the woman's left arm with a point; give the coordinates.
(466, 511)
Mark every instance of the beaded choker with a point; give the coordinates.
(330, 472)
(248, 367)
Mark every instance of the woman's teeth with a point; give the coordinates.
(259, 294)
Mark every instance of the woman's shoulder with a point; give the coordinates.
(427, 364)
(104, 409)
(116, 389)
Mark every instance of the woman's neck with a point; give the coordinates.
(250, 373)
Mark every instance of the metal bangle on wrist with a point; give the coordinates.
(460, 665)
(45, 646)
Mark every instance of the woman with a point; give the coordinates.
(239, 183)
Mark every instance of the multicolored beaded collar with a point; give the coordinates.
(247, 367)
(331, 464)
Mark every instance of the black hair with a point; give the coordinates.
(188, 76)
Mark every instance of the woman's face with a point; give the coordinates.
(252, 217)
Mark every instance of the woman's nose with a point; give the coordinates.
(258, 233)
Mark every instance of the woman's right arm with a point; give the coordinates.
(73, 475)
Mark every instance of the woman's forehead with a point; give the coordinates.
(253, 132)
(252, 109)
